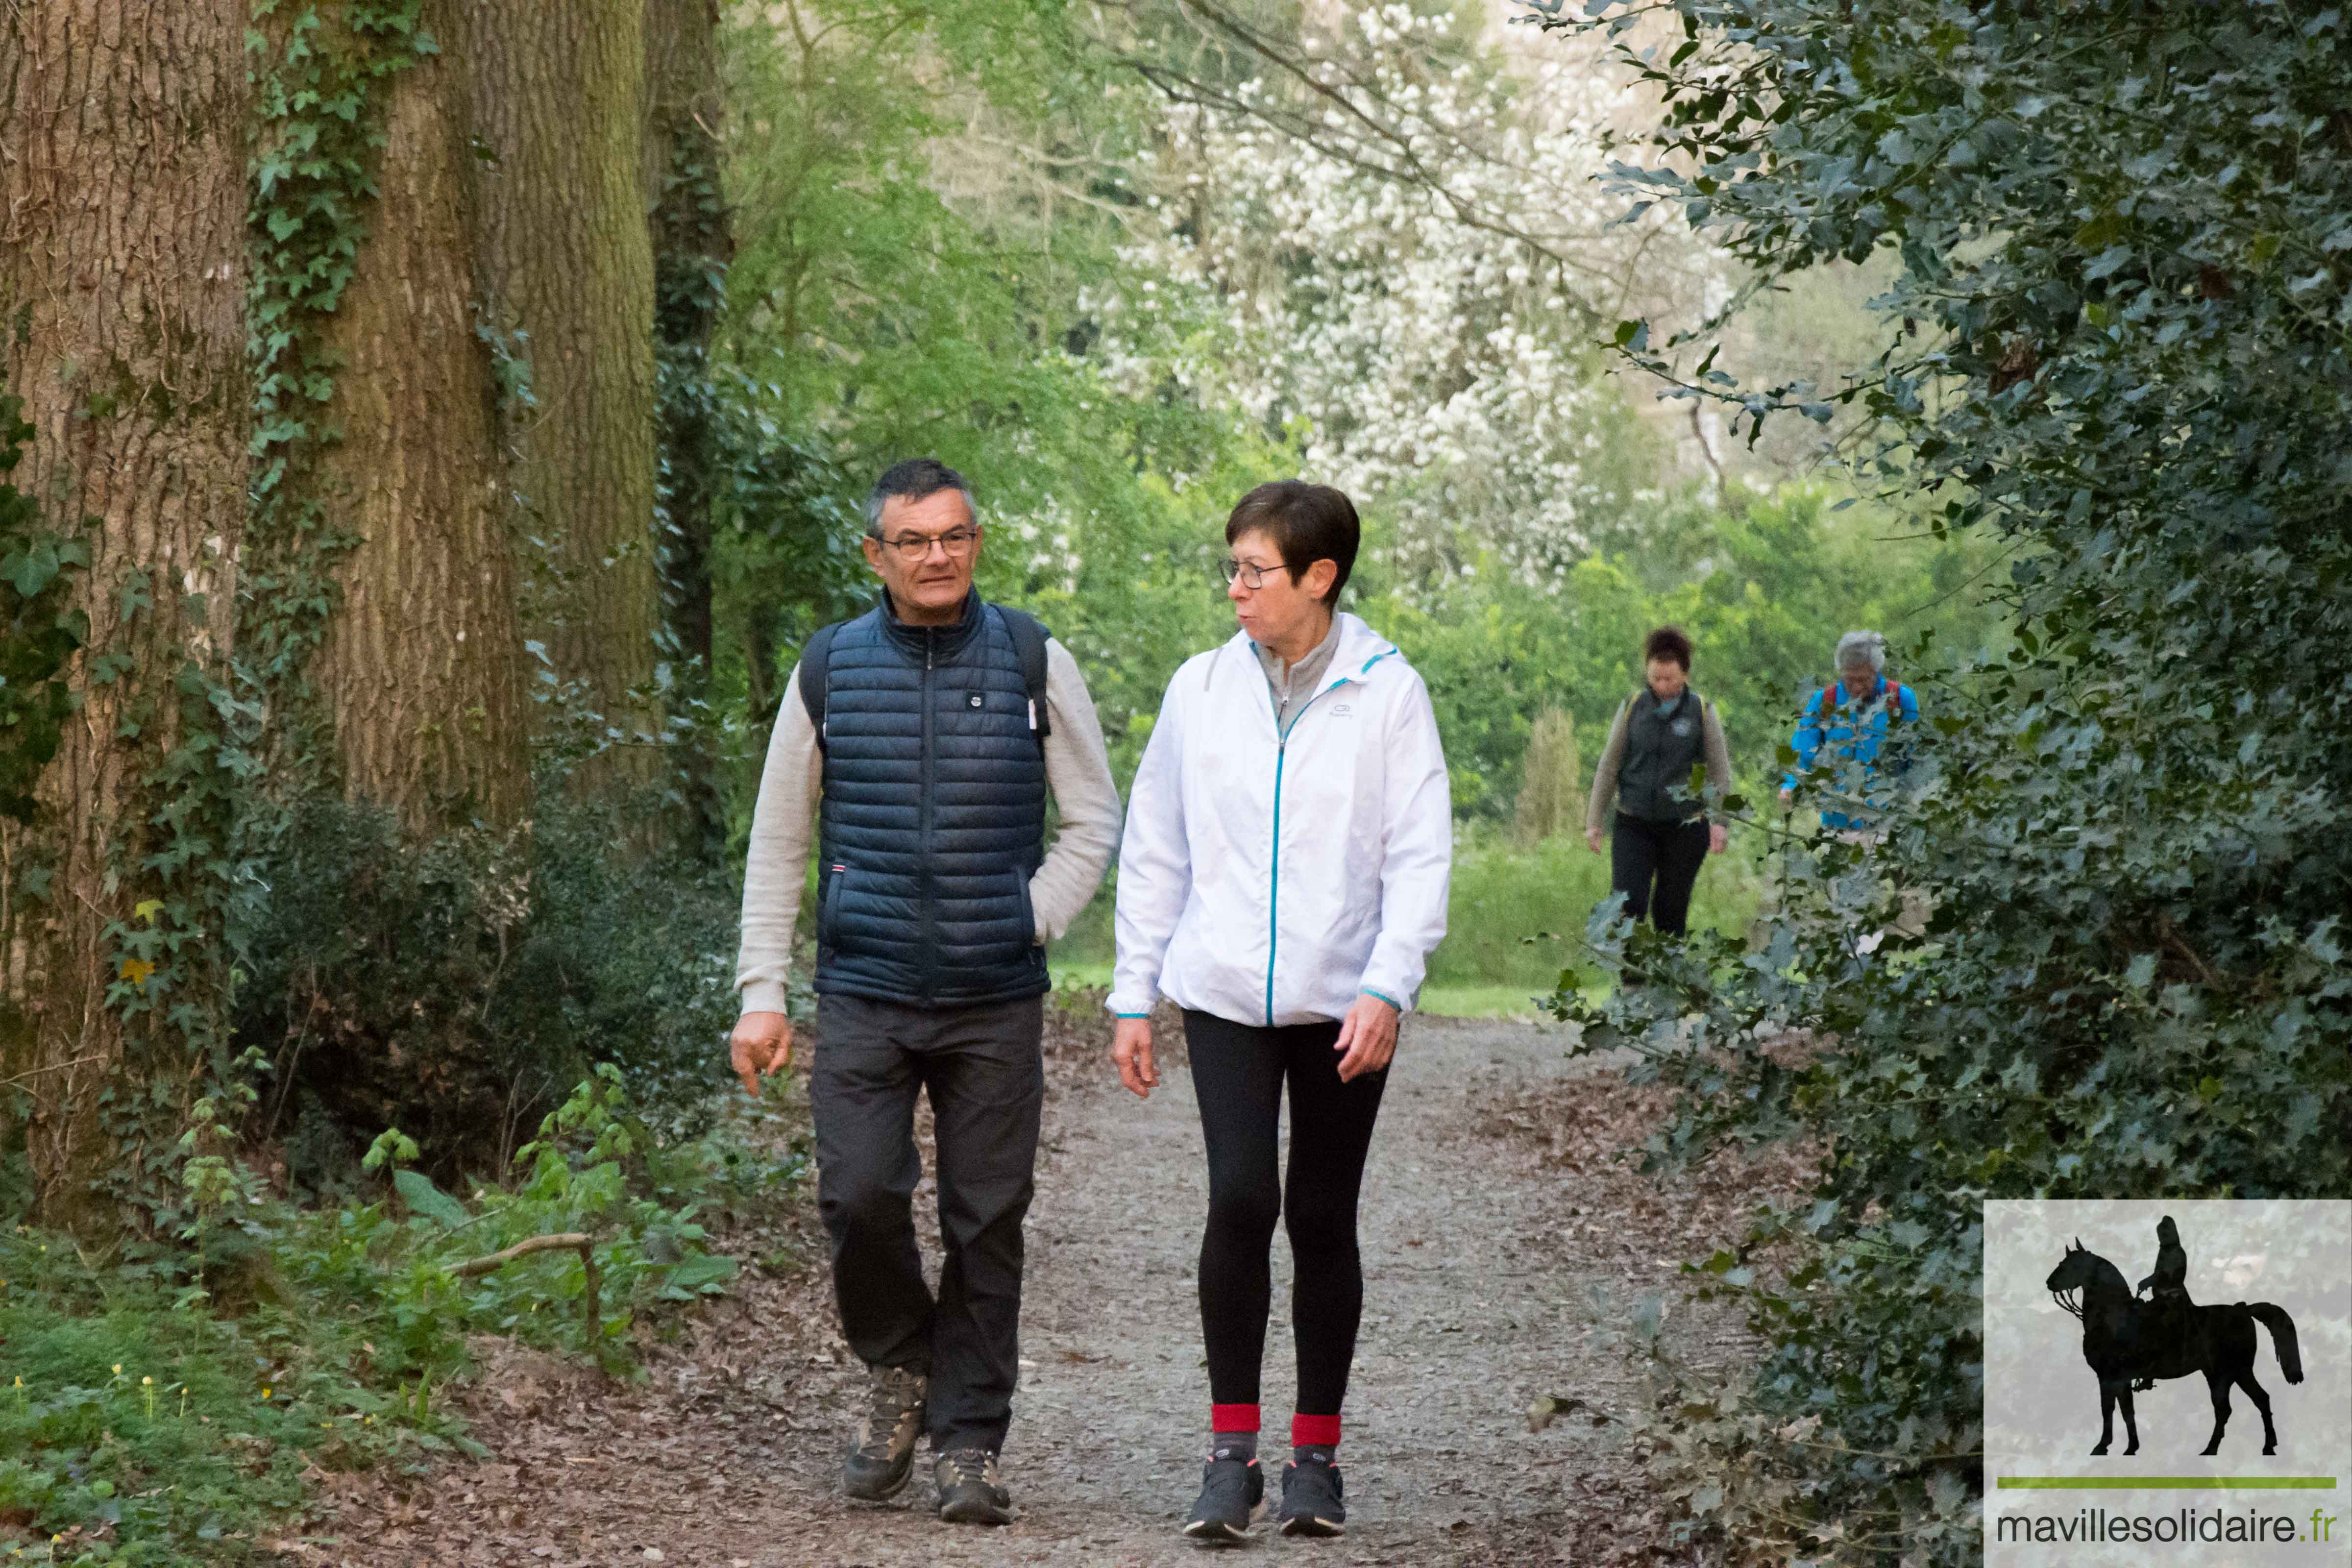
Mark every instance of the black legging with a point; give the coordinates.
(1672, 852)
(1238, 1073)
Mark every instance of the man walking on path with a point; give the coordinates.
(1849, 718)
(923, 738)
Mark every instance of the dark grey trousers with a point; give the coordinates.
(983, 1070)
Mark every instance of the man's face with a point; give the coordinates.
(1859, 682)
(926, 555)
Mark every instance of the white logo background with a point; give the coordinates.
(2041, 1398)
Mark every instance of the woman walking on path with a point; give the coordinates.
(1283, 879)
(1662, 836)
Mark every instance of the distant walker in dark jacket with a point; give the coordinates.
(1663, 832)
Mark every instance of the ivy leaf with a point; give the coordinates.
(31, 569)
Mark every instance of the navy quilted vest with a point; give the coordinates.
(933, 815)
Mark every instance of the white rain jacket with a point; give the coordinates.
(1272, 878)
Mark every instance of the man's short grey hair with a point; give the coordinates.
(917, 478)
(1856, 650)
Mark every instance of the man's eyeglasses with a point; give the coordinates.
(1246, 571)
(913, 548)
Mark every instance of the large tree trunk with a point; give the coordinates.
(692, 244)
(122, 288)
(559, 104)
(422, 668)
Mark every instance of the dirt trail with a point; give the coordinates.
(1480, 1250)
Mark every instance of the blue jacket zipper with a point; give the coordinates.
(1274, 877)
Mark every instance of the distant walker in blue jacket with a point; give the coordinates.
(1849, 718)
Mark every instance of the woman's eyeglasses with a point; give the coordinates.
(913, 548)
(1246, 571)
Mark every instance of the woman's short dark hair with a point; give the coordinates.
(1667, 642)
(1307, 522)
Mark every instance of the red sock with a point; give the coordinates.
(1233, 1418)
(1314, 1431)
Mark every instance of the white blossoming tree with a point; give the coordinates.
(1389, 245)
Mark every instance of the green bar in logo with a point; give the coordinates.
(2167, 1483)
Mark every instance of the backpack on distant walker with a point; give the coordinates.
(1825, 701)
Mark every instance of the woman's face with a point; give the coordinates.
(1282, 606)
(1667, 679)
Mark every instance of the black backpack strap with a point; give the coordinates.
(816, 660)
(1029, 635)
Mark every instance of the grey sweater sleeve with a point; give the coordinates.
(1077, 767)
(1718, 767)
(775, 865)
(775, 868)
(1604, 772)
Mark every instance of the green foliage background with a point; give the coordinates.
(2120, 343)
(908, 281)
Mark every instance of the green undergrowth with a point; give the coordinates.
(1513, 909)
(165, 1408)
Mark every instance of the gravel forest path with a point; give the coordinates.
(1493, 1207)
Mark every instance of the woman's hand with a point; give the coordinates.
(1367, 1036)
(1593, 839)
(1718, 838)
(1130, 1052)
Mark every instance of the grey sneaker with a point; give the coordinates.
(968, 1492)
(1310, 1499)
(882, 1449)
(1232, 1498)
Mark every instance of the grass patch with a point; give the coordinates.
(163, 1407)
(1481, 1002)
(1504, 894)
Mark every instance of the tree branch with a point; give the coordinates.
(570, 1240)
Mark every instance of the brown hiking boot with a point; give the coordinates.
(968, 1491)
(882, 1447)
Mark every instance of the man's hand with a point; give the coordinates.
(760, 1047)
(1593, 839)
(1718, 838)
(1130, 1052)
(1367, 1036)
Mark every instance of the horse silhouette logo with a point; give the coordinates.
(2132, 1343)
